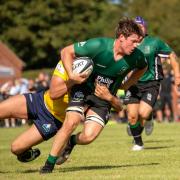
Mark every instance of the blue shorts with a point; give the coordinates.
(45, 122)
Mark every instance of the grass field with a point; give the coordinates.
(109, 157)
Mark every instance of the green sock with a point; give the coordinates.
(52, 159)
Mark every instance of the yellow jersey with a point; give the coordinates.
(57, 107)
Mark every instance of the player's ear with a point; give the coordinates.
(121, 37)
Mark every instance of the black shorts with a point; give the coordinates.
(81, 96)
(45, 122)
(147, 92)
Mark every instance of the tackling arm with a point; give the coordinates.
(67, 56)
(59, 87)
(102, 92)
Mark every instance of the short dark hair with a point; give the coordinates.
(127, 27)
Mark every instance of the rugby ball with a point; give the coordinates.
(83, 64)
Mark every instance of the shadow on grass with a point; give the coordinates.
(81, 168)
(31, 171)
(90, 168)
(20, 171)
(156, 141)
(158, 147)
(4, 172)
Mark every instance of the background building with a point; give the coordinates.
(11, 66)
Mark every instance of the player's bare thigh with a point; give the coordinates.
(26, 140)
(91, 129)
(14, 106)
(144, 110)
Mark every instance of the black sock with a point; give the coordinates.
(150, 117)
(72, 140)
(136, 131)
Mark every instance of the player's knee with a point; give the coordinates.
(15, 148)
(71, 124)
(74, 119)
(132, 119)
(143, 115)
(89, 137)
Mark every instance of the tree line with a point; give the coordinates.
(36, 30)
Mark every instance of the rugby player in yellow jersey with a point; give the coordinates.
(45, 108)
(47, 115)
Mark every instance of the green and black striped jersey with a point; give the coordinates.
(153, 49)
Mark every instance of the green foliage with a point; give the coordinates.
(109, 157)
(37, 30)
(33, 74)
(163, 18)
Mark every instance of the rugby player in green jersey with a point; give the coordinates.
(113, 60)
(141, 97)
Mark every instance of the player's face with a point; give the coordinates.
(129, 44)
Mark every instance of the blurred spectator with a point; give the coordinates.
(176, 103)
(31, 86)
(42, 81)
(21, 86)
(5, 92)
(11, 88)
(157, 110)
(5, 88)
(165, 95)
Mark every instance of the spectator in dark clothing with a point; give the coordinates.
(165, 95)
(42, 82)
